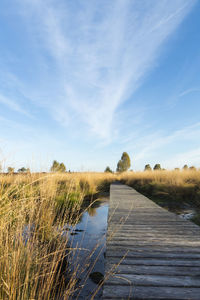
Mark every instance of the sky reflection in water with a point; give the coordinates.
(91, 238)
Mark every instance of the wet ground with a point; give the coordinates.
(187, 214)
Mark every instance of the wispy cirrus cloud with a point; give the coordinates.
(169, 146)
(100, 52)
(191, 157)
(13, 105)
(188, 91)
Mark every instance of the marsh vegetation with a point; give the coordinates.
(35, 211)
(39, 225)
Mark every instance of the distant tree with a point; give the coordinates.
(108, 170)
(22, 170)
(10, 170)
(147, 168)
(124, 163)
(185, 167)
(55, 166)
(157, 167)
(119, 166)
(192, 168)
(25, 170)
(62, 168)
(58, 167)
(177, 169)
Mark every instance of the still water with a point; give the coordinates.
(89, 237)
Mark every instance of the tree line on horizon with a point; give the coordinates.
(11, 170)
(124, 165)
(158, 167)
(56, 167)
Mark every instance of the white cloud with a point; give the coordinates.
(150, 145)
(101, 50)
(188, 91)
(13, 105)
(190, 157)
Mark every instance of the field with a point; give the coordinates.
(34, 208)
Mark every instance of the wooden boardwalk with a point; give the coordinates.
(158, 251)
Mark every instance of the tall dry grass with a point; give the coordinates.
(173, 188)
(34, 208)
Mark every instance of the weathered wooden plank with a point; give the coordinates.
(155, 280)
(154, 238)
(150, 293)
(152, 247)
(152, 254)
(154, 261)
(151, 230)
(144, 220)
(144, 236)
(154, 270)
(153, 226)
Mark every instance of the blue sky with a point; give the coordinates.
(83, 81)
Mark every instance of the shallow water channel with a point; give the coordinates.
(88, 239)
